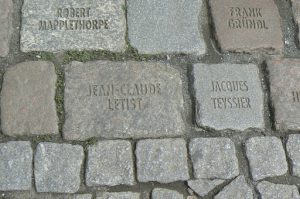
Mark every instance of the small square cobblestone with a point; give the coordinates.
(110, 163)
(158, 193)
(269, 190)
(57, 167)
(15, 166)
(214, 158)
(162, 160)
(266, 157)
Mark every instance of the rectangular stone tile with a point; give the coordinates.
(246, 26)
(27, 99)
(6, 10)
(168, 26)
(228, 96)
(73, 25)
(122, 100)
(285, 92)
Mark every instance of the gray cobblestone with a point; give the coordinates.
(119, 195)
(214, 158)
(203, 186)
(15, 166)
(293, 149)
(266, 157)
(57, 167)
(158, 193)
(83, 196)
(27, 99)
(169, 26)
(110, 163)
(163, 160)
(6, 11)
(269, 190)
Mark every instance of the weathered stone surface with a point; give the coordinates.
(214, 158)
(285, 92)
(237, 189)
(246, 26)
(15, 166)
(293, 149)
(296, 11)
(110, 163)
(228, 96)
(6, 10)
(33, 195)
(83, 196)
(169, 26)
(266, 157)
(119, 195)
(165, 194)
(122, 100)
(27, 100)
(269, 190)
(73, 25)
(203, 186)
(163, 160)
(57, 167)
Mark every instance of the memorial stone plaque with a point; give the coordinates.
(6, 8)
(122, 100)
(285, 92)
(245, 26)
(73, 25)
(228, 96)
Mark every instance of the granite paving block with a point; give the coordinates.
(110, 163)
(59, 25)
(293, 150)
(27, 99)
(57, 167)
(266, 157)
(285, 92)
(269, 190)
(122, 100)
(158, 193)
(228, 96)
(203, 186)
(83, 196)
(6, 12)
(247, 26)
(214, 158)
(296, 11)
(119, 195)
(237, 189)
(162, 160)
(169, 26)
(15, 166)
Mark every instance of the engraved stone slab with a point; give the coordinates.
(245, 26)
(73, 25)
(285, 92)
(122, 100)
(228, 96)
(6, 10)
(169, 26)
(27, 99)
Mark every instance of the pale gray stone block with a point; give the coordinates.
(293, 149)
(203, 186)
(6, 12)
(269, 190)
(119, 195)
(158, 193)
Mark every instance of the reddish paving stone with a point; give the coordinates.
(246, 26)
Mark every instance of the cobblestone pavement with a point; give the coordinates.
(140, 99)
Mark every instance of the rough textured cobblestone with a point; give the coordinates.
(237, 189)
(83, 196)
(228, 96)
(214, 158)
(73, 25)
(284, 78)
(162, 160)
(122, 100)
(27, 100)
(110, 163)
(249, 24)
(170, 26)
(57, 167)
(203, 186)
(15, 166)
(266, 157)
(119, 195)
(269, 190)
(165, 194)
(6, 11)
(293, 149)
